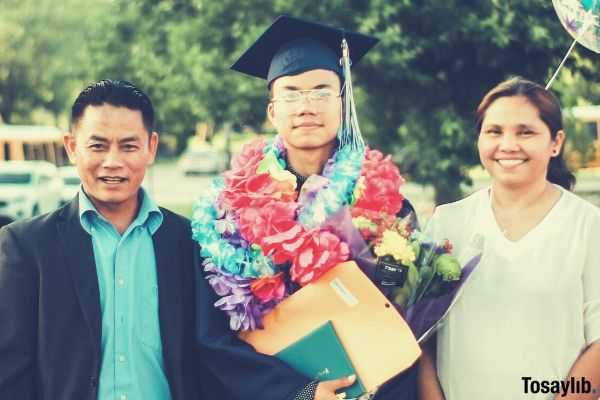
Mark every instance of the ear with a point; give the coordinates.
(271, 113)
(152, 147)
(69, 142)
(557, 142)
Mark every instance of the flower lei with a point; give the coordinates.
(261, 241)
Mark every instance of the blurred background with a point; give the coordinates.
(416, 91)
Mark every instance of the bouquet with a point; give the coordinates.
(423, 277)
(420, 277)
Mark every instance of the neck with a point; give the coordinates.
(519, 197)
(309, 161)
(121, 214)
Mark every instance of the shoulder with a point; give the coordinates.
(36, 227)
(455, 221)
(175, 222)
(574, 203)
(579, 212)
(461, 209)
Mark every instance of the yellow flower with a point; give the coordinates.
(359, 189)
(271, 165)
(364, 223)
(395, 245)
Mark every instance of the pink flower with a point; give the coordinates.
(250, 190)
(269, 288)
(383, 181)
(321, 251)
(273, 228)
(283, 246)
(250, 155)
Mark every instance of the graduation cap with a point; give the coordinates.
(291, 46)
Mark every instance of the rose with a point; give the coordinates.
(269, 288)
(321, 251)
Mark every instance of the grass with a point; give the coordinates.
(184, 209)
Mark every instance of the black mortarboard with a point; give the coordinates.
(291, 46)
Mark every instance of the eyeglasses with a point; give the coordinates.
(293, 97)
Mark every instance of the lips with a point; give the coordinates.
(112, 180)
(510, 163)
(308, 125)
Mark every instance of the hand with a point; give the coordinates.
(326, 389)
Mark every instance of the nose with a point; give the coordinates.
(112, 159)
(509, 143)
(305, 106)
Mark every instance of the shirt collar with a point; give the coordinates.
(148, 214)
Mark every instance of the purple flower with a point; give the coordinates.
(236, 299)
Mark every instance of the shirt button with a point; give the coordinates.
(123, 397)
(121, 281)
(121, 358)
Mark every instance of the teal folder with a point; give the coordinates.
(321, 356)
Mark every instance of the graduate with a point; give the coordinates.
(261, 226)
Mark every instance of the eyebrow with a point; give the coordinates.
(320, 86)
(519, 126)
(128, 139)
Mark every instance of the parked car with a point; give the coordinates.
(28, 188)
(71, 183)
(202, 161)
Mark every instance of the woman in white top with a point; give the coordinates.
(529, 318)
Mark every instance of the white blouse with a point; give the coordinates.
(532, 306)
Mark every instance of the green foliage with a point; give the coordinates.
(43, 57)
(416, 91)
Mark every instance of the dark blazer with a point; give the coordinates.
(50, 322)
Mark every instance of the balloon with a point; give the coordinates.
(581, 18)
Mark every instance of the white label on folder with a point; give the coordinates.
(343, 292)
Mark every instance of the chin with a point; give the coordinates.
(309, 144)
(511, 182)
(113, 198)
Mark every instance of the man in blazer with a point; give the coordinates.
(102, 299)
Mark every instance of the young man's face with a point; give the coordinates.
(112, 149)
(313, 121)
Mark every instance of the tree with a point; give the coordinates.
(416, 90)
(43, 56)
(440, 58)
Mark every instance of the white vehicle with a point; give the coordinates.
(71, 183)
(202, 161)
(28, 188)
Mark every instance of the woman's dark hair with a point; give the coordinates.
(116, 93)
(549, 112)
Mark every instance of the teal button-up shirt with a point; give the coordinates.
(132, 363)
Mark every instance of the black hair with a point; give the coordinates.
(549, 112)
(117, 93)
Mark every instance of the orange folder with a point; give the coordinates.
(377, 339)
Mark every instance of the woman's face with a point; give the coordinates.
(515, 145)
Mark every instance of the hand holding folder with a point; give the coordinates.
(377, 340)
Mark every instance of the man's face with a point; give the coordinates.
(309, 123)
(112, 149)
